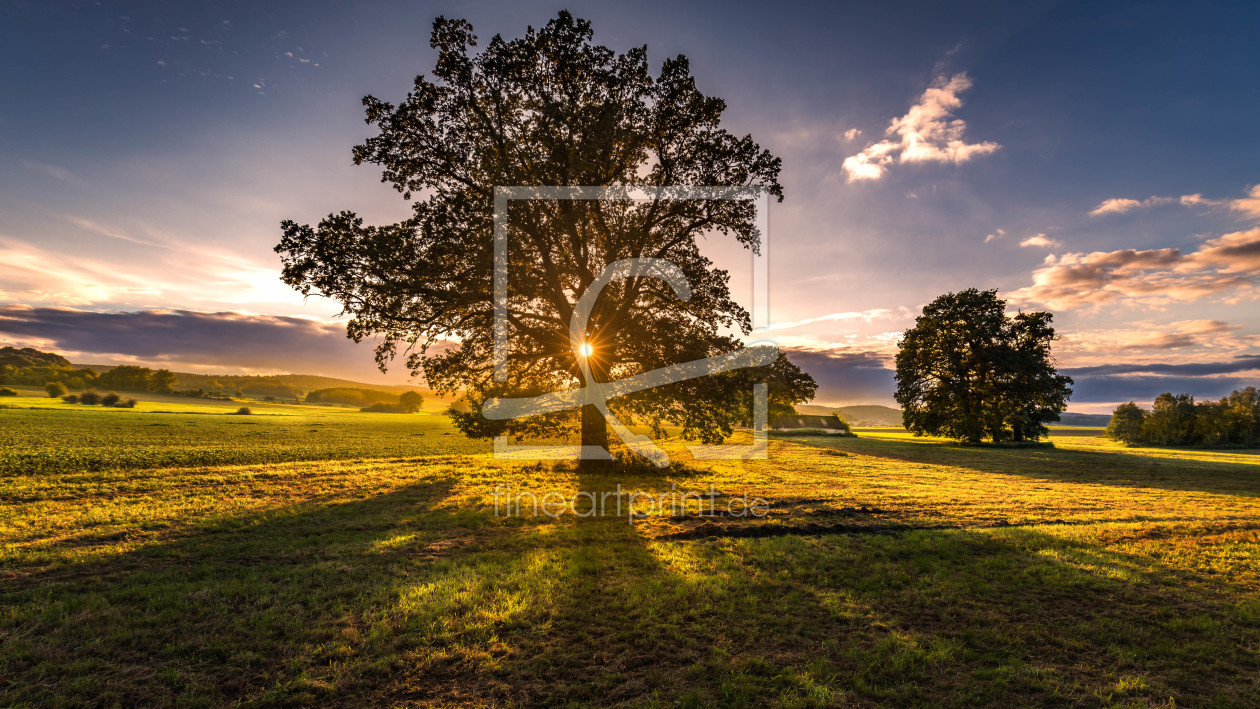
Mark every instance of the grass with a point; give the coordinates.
(43, 435)
(890, 570)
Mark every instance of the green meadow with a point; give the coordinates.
(177, 554)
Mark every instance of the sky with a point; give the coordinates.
(1098, 160)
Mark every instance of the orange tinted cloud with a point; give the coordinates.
(1229, 264)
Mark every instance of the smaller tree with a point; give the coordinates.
(56, 390)
(410, 401)
(110, 399)
(968, 371)
(90, 398)
(1126, 424)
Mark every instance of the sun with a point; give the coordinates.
(586, 350)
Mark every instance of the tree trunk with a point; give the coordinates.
(594, 427)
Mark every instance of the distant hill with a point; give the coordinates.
(1071, 419)
(858, 416)
(299, 384)
(30, 357)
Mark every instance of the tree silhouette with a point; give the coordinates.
(968, 371)
(410, 401)
(549, 109)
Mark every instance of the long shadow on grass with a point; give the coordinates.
(230, 612)
(1010, 618)
(1114, 468)
(403, 598)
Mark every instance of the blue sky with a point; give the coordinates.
(148, 152)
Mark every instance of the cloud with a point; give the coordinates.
(1144, 388)
(864, 316)
(1249, 205)
(53, 171)
(1153, 277)
(1238, 365)
(1039, 240)
(97, 228)
(927, 133)
(852, 133)
(997, 234)
(209, 277)
(194, 340)
(1214, 335)
(1115, 206)
(847, 378)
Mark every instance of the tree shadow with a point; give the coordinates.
(1116, 468)
(406, 597)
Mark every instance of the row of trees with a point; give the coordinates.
(91, 398)
(408, 403)
(132, 378)
(30, 367)
(1177, 420)
(351, 396)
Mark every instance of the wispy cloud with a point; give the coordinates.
(927, 133)
(995, 235)
(53, 171)
(864, 316)
(1249, 205)
(98, 228)
(192, 340)
(206, 276)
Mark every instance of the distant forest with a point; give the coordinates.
(1178, 420)
(31, 367)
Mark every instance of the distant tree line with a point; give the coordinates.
(30, 367)
(409, 402)
(351, 397)
(1177, 420)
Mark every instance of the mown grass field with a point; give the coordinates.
(303, 556)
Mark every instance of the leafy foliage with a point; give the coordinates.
(968, 371)
(132, 378)
(1176, 420)
(31, 357)
(410, 401)
(551, 108)
(350, 396)
(31, 367)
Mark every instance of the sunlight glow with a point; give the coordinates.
(586, 349)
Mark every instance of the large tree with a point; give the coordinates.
(550, 109)
(969, 371)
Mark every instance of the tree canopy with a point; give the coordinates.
(1177, 420)
(969, 371)
(549, 109)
